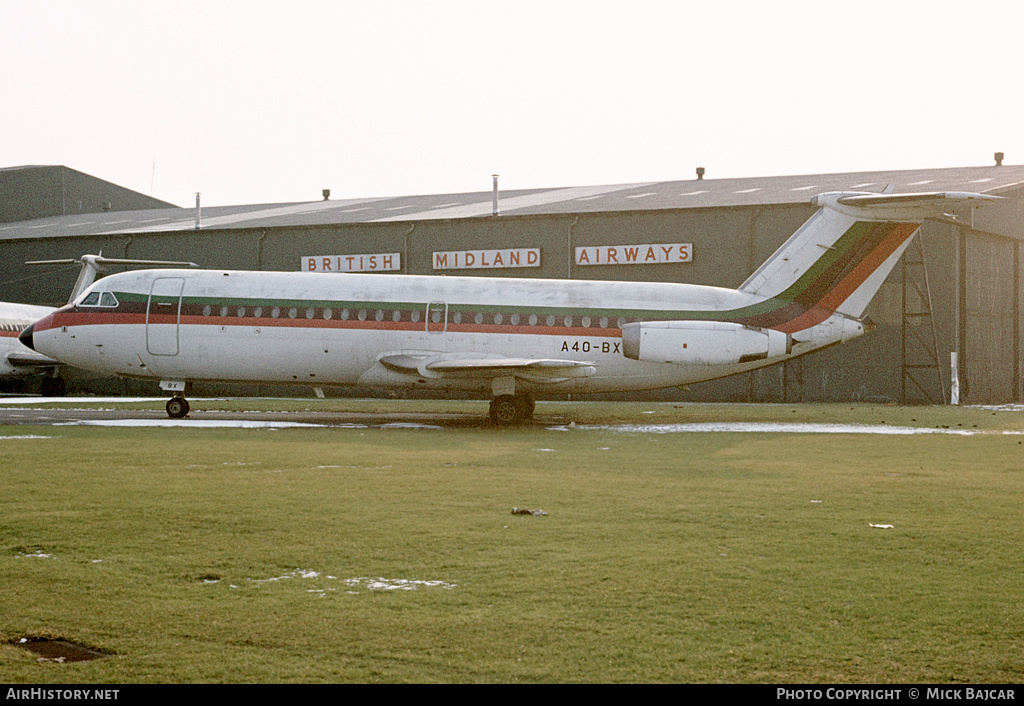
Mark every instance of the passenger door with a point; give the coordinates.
(163, 316)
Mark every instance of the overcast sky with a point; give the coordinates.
(265, 102)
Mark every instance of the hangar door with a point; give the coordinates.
(163, 315)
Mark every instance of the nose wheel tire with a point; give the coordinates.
(177, 407)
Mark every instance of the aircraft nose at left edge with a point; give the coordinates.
(26, 336)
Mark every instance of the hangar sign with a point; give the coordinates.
(486, 259)
(373, 262)
(657, 254)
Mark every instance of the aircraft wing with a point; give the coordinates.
(28, 359)
(434, 365)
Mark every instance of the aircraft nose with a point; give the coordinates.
(26, 336)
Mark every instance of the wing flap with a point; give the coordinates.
(466, 365)
(504, 364)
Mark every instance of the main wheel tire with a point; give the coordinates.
(177, 407)
(507, 410)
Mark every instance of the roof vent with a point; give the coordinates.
(494, 202)
(327, 194)
(999, 159)
(700, 173)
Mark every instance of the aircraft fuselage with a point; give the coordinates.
(322, 329)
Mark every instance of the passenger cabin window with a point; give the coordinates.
(106, 299)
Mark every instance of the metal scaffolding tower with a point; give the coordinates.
(793, 380)
(922, 380)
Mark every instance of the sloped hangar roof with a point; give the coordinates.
(706, 193)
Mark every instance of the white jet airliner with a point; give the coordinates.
(514, 339)
(18, 361)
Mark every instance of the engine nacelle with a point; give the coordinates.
(702, 342)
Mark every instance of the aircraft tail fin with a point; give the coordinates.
(93, 265)
(837, 260)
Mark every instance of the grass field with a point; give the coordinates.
(392, 555)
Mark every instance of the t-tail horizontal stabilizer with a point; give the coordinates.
(92, 265)
(911, 208)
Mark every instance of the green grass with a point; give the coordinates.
(710, 557)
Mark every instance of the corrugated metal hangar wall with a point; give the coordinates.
(924, 311)
(39, 191)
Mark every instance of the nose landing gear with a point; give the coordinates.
(177, 407)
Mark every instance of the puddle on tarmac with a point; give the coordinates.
(784, 428)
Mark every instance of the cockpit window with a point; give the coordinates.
(106, 299)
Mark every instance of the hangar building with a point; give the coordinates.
(27, 193)
(957, 290)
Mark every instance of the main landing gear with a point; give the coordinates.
(53, 386)
(509, 410)
(177, 407)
